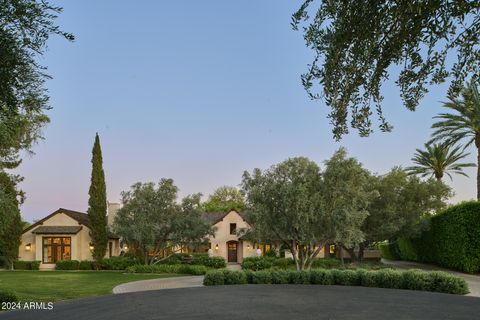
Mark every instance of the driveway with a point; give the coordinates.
(274, 302)
(472, 280)
(158, 284)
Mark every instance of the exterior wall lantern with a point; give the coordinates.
(248, 247)
(216, 247)
(28, 246)
(91, 247)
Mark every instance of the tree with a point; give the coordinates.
(25, 26)
(347, 194)
(10, 220)
(464, 125)
(97, 204)
(439, 159)
(151, 220)
(356, 44)
(286, 205)
(223, 199)
(402, 203)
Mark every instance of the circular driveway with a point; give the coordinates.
(263, 302)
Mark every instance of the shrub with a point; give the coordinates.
(411, 279)
(447, 283)
(67, 265)
(346, 277)
(416, 280)
(326, 263)
(280, 276)
(300, 277)
(319, 276)
(211, 262)
(262, 277)
(234, 277)
(257, 263)
(86, 265)
(117, 263)
(26, 265)
(166, 268)
(386, 252)
(452, 241)
(214, 278)
(282, 263)
(7, 296)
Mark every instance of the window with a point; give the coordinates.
(233, 228)
(55, 249)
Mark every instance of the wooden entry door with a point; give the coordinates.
(232, 251)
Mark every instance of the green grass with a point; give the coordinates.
(62, 285)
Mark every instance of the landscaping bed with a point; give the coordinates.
(411, 280)
(263, 263)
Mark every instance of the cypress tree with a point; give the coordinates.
(97, 204)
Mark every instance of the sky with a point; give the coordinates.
(196, 91)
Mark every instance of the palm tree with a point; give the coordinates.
(437, 160)
(464, 125)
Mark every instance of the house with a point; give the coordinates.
(227, 242)
(64, 235)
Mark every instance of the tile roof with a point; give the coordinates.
(81, 217)
(57, 229)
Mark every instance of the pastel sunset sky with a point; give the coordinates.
(197, 91)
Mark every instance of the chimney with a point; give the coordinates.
(112, 212)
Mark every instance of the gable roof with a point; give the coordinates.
(81, 217)
(57, 229)
(215, 217)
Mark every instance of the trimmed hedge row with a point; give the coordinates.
(452, 241)
(262, 263)
(26, 265)
(7, 296)
(113, 263)
(412, 279)
(195, 259)
(168, 268)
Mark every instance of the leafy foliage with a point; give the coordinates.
(439, 159)
(452, 241)
(97, 204)
(411, 279)
(7, 296)
(223, 199)
(152, 220)
(25, 27)
(463, 125)
(10, 220)
(357, 43)
(165, 268)
(26, 265)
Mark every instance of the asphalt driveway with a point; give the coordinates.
(263, 302)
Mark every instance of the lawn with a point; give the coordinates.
(61, 285)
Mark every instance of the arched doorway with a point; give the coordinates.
(232, 249)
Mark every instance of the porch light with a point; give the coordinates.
(125, 247)
(28, 246)
(248, 247)
(91, 247)
(216, 246)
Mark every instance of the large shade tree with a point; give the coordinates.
(25, 27)
(439, 159)
(463, 124)
(152, 220)
(223, 199)
(357, 45)
(402, 203)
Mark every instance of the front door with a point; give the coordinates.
(232, 251)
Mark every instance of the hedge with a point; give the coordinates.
(166, 268)
(7, 296)
(26, 265)
(67, 265)
(117, 263)
(262, 263)
(452, 241)
(196, 259)
(387, 278)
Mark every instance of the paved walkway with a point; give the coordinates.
(157, 284)
(473, 281)
(262, 302)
